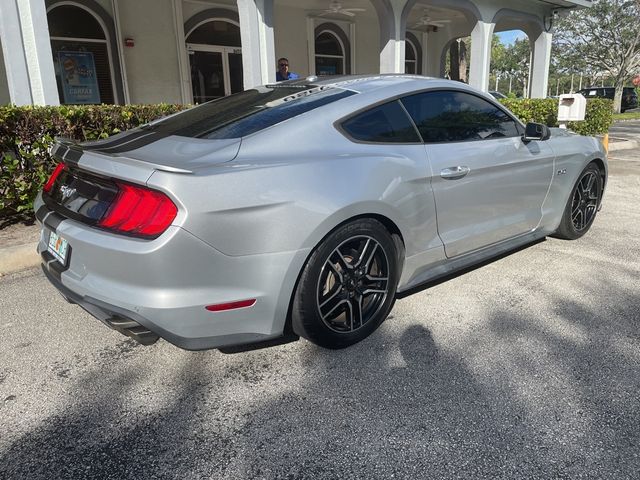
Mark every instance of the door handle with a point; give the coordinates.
(453, 173)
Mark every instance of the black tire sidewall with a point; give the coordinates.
(306, 319)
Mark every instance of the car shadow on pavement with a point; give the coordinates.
(531, 399)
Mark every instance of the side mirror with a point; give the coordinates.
(536, 131)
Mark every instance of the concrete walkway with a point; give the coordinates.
(18, 242)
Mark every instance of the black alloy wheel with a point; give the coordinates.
(347, 287)
(353, 284)
(582, 206)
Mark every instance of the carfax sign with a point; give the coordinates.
(78, 75)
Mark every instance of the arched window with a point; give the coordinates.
(216, 32)
(215, 54)
(412, 54)
(410, 57)
(330, 54)
(81, 56)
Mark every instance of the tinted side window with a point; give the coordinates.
(386, 123)
(450, 116)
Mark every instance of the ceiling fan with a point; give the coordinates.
(335, 8)
(426, 21)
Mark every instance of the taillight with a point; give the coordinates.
(54, 176)
(139, 211)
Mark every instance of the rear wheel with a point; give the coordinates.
(348, 285)
(582, 205)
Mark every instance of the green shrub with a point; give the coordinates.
(597, 120)
(26, 133)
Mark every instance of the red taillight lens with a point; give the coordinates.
(52, 179)
(139, 211)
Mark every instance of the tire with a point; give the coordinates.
(347, 287)
(582, 205)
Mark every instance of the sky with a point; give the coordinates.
(509, 37)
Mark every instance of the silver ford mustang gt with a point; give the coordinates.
(303, 208)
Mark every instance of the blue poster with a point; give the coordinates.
(78, 75)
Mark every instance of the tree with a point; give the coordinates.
(457, 64)
(512, 61)
(605, 38)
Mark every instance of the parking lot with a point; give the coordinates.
(524, 368)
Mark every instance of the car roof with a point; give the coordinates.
(370, 83)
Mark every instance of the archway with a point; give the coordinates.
(215, 54)
(440, 24)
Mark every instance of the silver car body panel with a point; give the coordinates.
(251, 211)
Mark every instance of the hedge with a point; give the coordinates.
(26, 133)
(598, 118)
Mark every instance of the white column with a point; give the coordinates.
(120, 53)
(425, 53)
(392, 52)
(183, 58)
(311, 45)
(480, 55)
(26, 48)
(392, 57)
(539, 78)
(258, 50)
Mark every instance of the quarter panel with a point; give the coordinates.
(573, 153)
(263, 202)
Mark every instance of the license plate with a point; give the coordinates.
(58, 247)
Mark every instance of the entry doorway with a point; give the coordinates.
(216, 71)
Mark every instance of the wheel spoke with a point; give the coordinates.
(331, 305)
(371, 284)
(578, 219)
(340, 260)
(355, 312)
(365, 255)
(590, 179)
(335, 272)
(335, 290)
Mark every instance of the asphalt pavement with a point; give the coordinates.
(524, 368)
(627, 130)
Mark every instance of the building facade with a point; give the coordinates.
(190, 51)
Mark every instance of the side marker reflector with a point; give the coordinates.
(221, 307)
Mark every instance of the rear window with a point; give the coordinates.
(386, 123)
(247, 112)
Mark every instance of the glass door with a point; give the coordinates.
(215, 71)
(234, 57)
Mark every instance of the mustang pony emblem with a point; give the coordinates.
(67, 192)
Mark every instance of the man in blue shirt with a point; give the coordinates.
(283, 72)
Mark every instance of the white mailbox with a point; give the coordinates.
(572, 108)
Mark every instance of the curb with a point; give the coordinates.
(624, 145)
(20, 257)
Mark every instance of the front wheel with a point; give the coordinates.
(582, 205)
(348, 285)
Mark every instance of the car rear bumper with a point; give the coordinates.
(160, 288)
